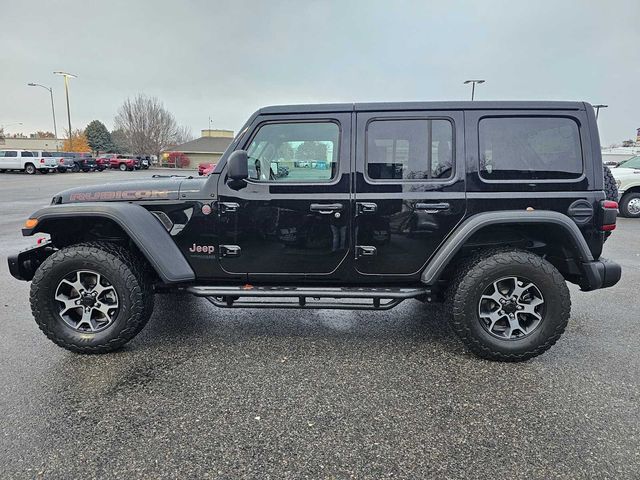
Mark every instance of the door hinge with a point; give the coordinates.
(366, 207)
(365, 251)
(229, 250)
(229, 207)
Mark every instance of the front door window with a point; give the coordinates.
(294, 152)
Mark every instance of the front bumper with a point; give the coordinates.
(23, 265)
(600, 273)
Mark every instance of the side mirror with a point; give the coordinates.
(237, 165)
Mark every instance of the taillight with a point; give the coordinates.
(609, 214)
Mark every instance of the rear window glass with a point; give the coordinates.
(415, 149)
(529, 148)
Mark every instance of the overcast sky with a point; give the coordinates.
(226, 59)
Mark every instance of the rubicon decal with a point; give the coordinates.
(208, 249)
(118, 195)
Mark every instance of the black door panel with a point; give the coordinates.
(289, 229)
(407, 211)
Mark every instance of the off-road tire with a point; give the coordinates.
(610, 186)
(30, 169)
(477, 273)
(128, 274)
(624, 205)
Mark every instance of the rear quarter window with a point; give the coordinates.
(529, 148)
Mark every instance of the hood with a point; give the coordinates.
(161, 188)
(624, 172)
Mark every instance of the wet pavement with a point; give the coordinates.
(209, 393)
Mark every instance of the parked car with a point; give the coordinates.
(27, 161)
(115, 160)
(85, 162)
(143, 162)
(48, 159)
(103, 161)
(66, 162)
(627, 176)
(493, 213)
(205, 168)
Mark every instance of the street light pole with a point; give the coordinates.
(53, 109)
(66, 92)
(598, 107)
(473, 86)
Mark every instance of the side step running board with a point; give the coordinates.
(307, 297)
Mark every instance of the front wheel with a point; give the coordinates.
(30, 169)
(75, 168)
(509, 305)
(630, 205)
(92, 297)
(123, 167)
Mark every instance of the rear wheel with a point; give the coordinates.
(75, 168)
(630, 205)
(123, 167)
(30, 168)
(91, 298)
(509, 305)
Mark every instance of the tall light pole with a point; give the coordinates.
(473, 86)
(53, 109)
(66, 92)
(598, 107)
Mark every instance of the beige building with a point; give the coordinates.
(50, 144)
(206, 149)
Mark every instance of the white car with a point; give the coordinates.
(27, 161)
(627, 176)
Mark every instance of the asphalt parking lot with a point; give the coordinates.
(206, 393)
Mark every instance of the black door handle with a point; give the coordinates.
(325, 208)
(433, 206)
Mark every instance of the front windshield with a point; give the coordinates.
(631, 163)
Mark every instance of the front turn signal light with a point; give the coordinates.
(31, 223)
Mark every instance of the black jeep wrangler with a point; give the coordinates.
(490, 207)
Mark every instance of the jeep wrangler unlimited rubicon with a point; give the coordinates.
(490, 207)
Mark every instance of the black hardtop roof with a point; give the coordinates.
(407, 106)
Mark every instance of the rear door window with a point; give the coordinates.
(412, 149)
(27, 154)
(530, 148)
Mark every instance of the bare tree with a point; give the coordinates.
(183, 135)
(149, 127)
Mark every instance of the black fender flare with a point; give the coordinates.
(142, 227)
(471, 225)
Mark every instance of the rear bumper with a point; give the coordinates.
(601, 273)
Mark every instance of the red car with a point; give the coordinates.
(112, 160)
(205, 169)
